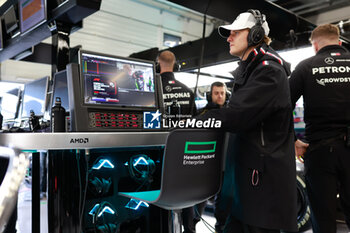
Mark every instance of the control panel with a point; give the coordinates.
(115, 120)
(101, 78)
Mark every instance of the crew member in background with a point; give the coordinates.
(324, 82)
(175, 92)
(217, 98)
(259, 112)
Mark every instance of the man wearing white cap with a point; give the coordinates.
(260, 113)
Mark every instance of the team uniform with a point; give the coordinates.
(263, 162)
(324, 82)
(174, 90)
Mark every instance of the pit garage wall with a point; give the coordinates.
(121, 27)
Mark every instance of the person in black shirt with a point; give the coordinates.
(324, 82)
(217, 98)
(178, 99)
(175, 92)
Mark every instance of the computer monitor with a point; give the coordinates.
(10, 101)
(60, 89)
(10, 20)
(34, 97)
(32, 13)
(1, 37)
(117, 82)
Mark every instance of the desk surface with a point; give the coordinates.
(59, 141)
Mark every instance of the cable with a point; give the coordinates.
(80, 188)
(87, 155)
(244, 53)
(138, 175)
(144, 182)
(202, 54)
(206, 224)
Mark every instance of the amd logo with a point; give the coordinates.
(79, 140)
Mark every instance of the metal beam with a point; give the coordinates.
(331, 16)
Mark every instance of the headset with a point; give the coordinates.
(99, 187)
(107, 228)
(257, 32)
(145, 175)
(176, 67)
(209, 93)
(110, 227)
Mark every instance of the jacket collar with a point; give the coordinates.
(240, 73)
(332, 48)
(167, 76)
(259, 54)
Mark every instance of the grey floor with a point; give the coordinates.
(201, 228)
(24, 213)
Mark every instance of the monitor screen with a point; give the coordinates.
(116, 81)
(34, 97)
(60, 89)
(31, 14)
(9, 103)
(10, 20)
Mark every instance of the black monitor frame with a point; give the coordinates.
(35, 24)
(10, 20)
(116, 106)
(1, 37)
(54, 83)
(44, 107)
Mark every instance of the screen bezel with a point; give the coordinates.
(1, 38)
(20, 10)
(117, 107)
(45, 100)
(52, 101)
(10, 10)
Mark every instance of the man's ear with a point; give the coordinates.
(315, 46)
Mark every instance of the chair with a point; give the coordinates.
(191, 170)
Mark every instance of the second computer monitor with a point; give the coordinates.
(60, 89)
(34, 97)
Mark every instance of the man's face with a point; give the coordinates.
(218, 95)
(238, 42)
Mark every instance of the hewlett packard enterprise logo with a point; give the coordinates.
(151, 120)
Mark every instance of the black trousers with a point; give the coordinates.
(233, 225)
(221, 211)
(327, 173)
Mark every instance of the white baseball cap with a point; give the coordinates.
(243, 21)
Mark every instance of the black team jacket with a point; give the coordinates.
(263, 162)
(324, 82)
(175, 90)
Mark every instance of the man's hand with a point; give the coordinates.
(300, 149)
